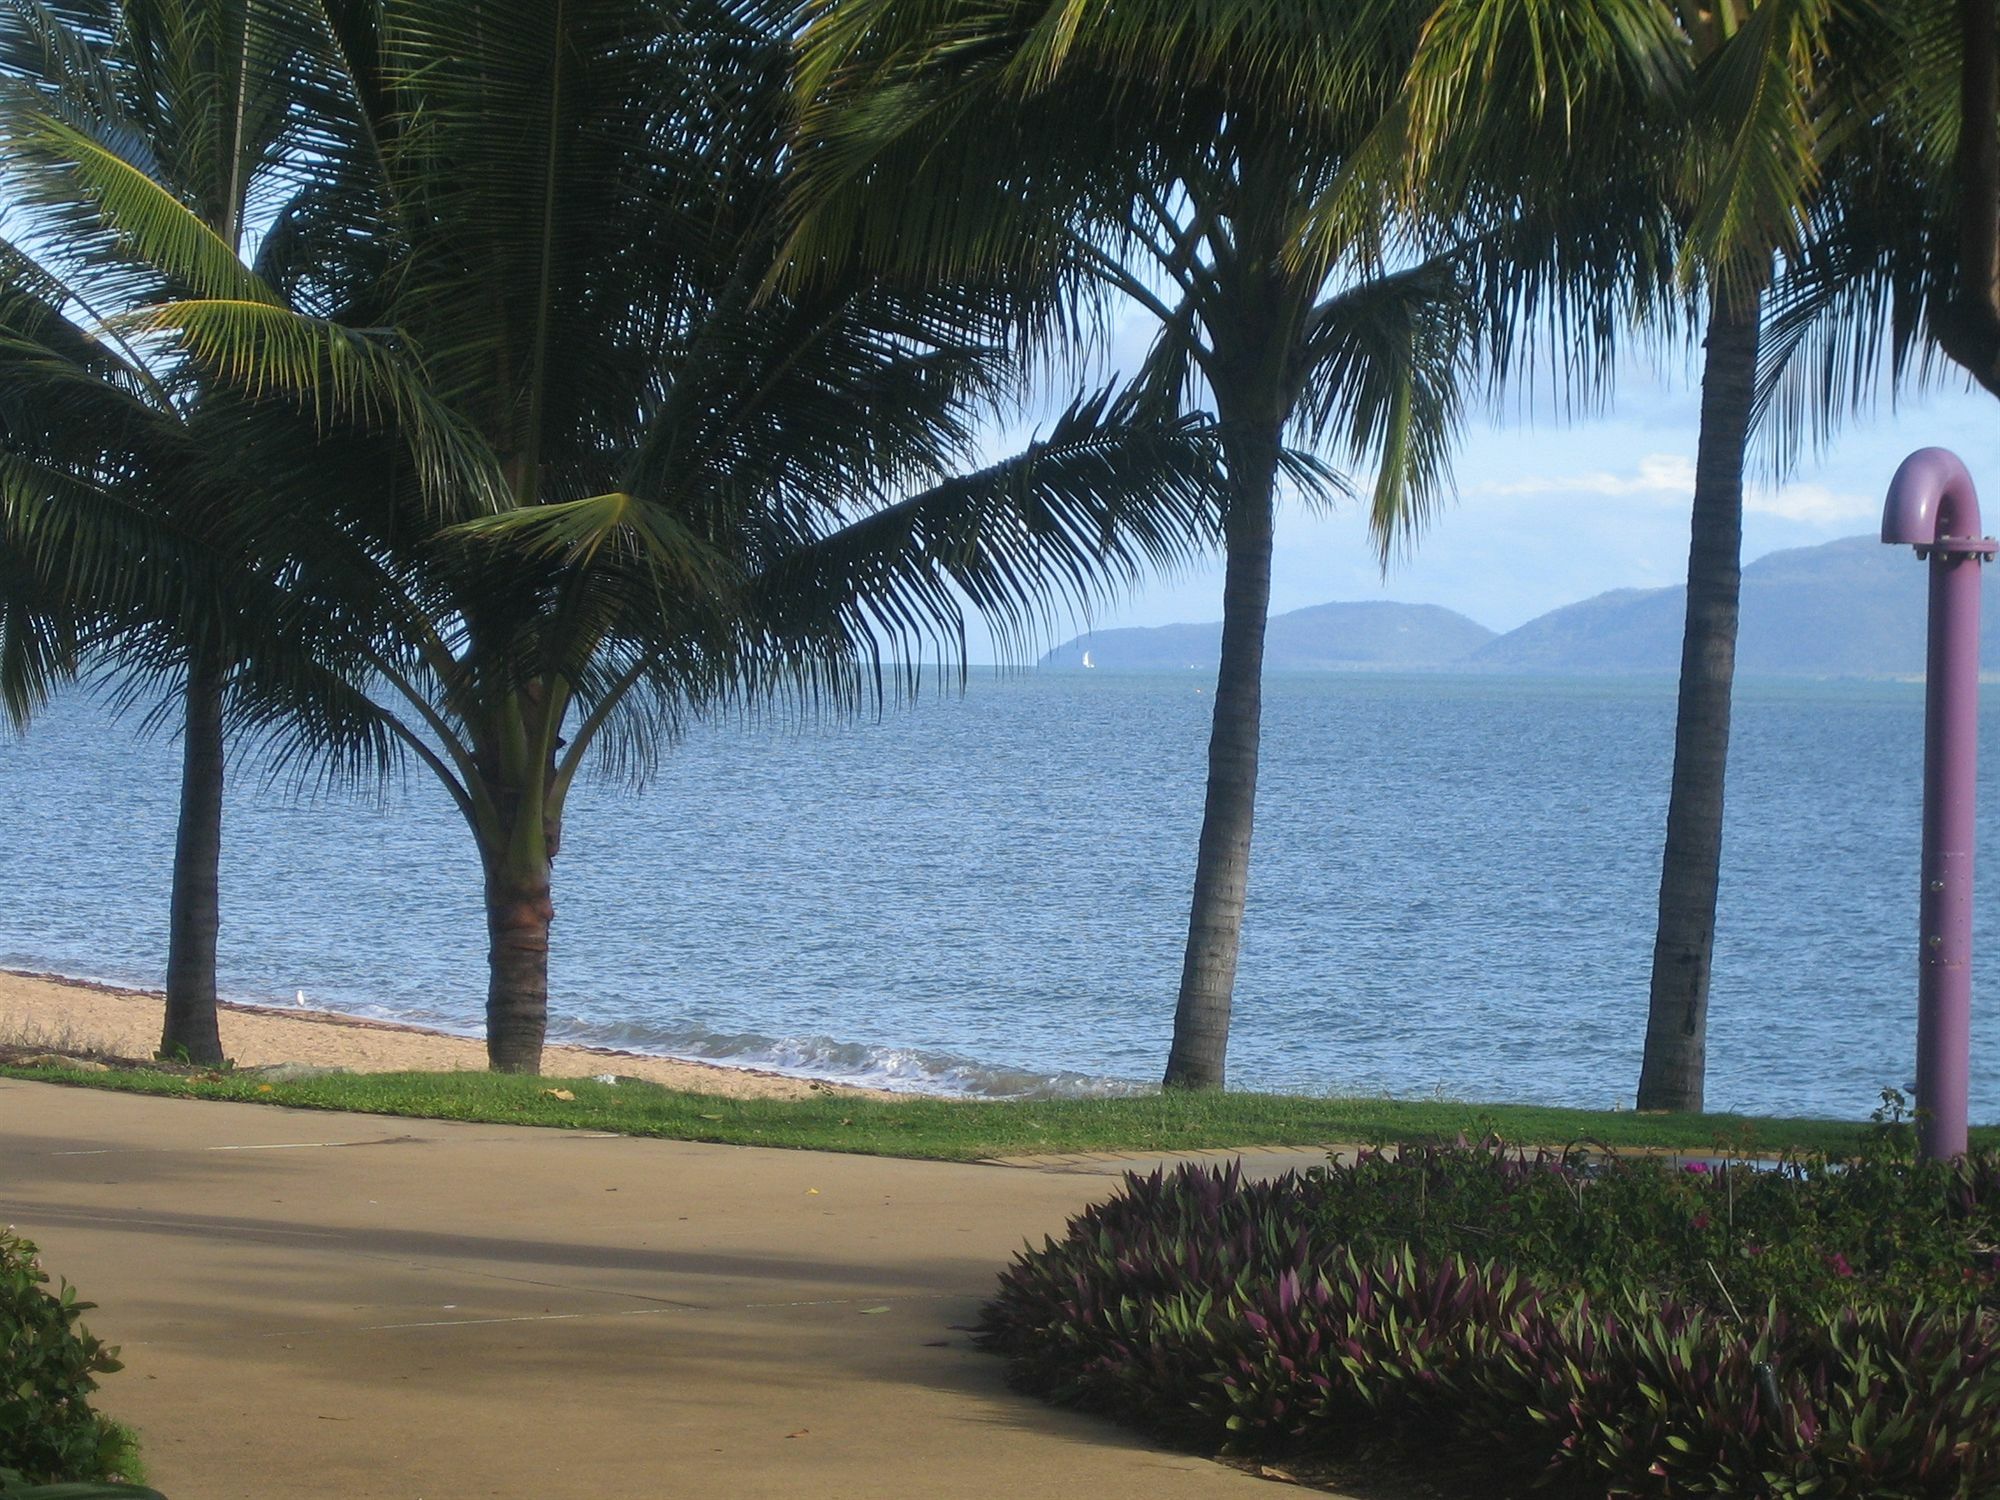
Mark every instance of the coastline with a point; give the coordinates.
(59, 1014)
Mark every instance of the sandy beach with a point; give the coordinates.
(73, 1016)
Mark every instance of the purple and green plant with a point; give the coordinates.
(1568, 1324)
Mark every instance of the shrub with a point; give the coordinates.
(48, 1367)
(1813, 1234)
(1571, 1352)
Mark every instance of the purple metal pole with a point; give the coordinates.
(1932, 506)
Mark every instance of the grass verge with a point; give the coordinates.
(971, 1130)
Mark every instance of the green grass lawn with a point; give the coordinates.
(966, 1130)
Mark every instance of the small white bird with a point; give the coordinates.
(301, 999)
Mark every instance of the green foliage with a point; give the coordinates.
(1810, 1234)
(522, 452)
(1339, 1313)
(49, 1364)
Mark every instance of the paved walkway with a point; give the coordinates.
(342, 1307)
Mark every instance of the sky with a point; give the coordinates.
(1549, 512)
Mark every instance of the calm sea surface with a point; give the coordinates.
(1452, 889)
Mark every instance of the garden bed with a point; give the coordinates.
(1556, 1323)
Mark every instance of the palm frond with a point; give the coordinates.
(1758, 124)
(337, 374)
(614, 529)
(58, 169)
(1095, 504)
(1388, 365)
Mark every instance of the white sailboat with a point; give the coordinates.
(1087, 662)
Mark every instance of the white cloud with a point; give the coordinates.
(1814, 504)
(1670, 477)
(1670, 474)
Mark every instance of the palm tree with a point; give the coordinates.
(1763, 115)
(1736, 166)
(111, 485)
(1240, 175)
(1752, 135)
(1772, 160)
(580, 477)
(193, 94)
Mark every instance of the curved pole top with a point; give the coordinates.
(1931, 500)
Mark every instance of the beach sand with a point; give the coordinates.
(43, 1011)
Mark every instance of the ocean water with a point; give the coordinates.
(1451, 894)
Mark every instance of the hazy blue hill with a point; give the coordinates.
(1851, 608)
(1324, 637)
(1626, 630)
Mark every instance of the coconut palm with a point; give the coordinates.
(1779, 86)
(1240, 173)
(195, 95)
(112, 487)
(1757, 119)
(580, 476)
(1772, 89)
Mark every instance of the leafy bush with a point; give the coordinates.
(48, 1368)
(1812, 1234)
(1539, 1323)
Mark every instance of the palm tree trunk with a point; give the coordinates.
(519, 909)
(1222, 863)
(190, 1030)
(1676, 1059)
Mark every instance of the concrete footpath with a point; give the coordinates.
(339, 1307)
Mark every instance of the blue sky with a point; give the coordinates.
(1549, 512)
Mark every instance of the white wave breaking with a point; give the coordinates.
(906, 1070)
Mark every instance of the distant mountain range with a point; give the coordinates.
(1326, 637)
(1851, 608)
